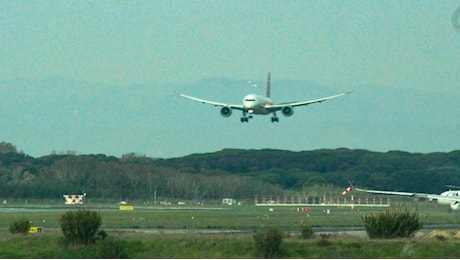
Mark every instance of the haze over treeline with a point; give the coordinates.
(64, 114)
(235, 173)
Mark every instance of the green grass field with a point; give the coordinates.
(218, 216)
(191, 243)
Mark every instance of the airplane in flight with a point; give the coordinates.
(450, 197)
(254, 104)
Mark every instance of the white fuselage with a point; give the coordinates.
(450, 193)
(255, 104)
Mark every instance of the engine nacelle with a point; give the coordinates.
(226, 111)
(455, 205)
(287, 111)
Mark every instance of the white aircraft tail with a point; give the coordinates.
(268, 86)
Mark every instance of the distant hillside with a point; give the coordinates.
(228, 173)
(393, 170)
(321, 161)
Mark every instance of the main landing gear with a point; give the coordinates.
(245, 118)
(275, 118)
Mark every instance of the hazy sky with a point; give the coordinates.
(398, 44)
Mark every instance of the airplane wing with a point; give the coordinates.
(217, 104)
(411, 194)
(304, 103)
(401, 193)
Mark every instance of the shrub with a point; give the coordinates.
(324, 241)
(20, 226)
(306, 231)
(392, 224)
(268, 243)
(80, 227)
(110, 248)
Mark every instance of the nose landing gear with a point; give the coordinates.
(245, 118)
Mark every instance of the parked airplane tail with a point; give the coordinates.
(268, 85)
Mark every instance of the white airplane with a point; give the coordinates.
(450, 197)
(254, 104)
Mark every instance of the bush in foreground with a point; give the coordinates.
(80, 227)
(268, 243)
(20, 226)
(306, 231)
(392, 224)
(110, 248)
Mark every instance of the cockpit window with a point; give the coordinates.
(250, 99)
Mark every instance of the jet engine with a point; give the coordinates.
(287, 111)
(226, 111)
(455, 205)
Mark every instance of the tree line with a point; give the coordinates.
(241, 174)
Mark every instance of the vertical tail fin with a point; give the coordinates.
(268, 86)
